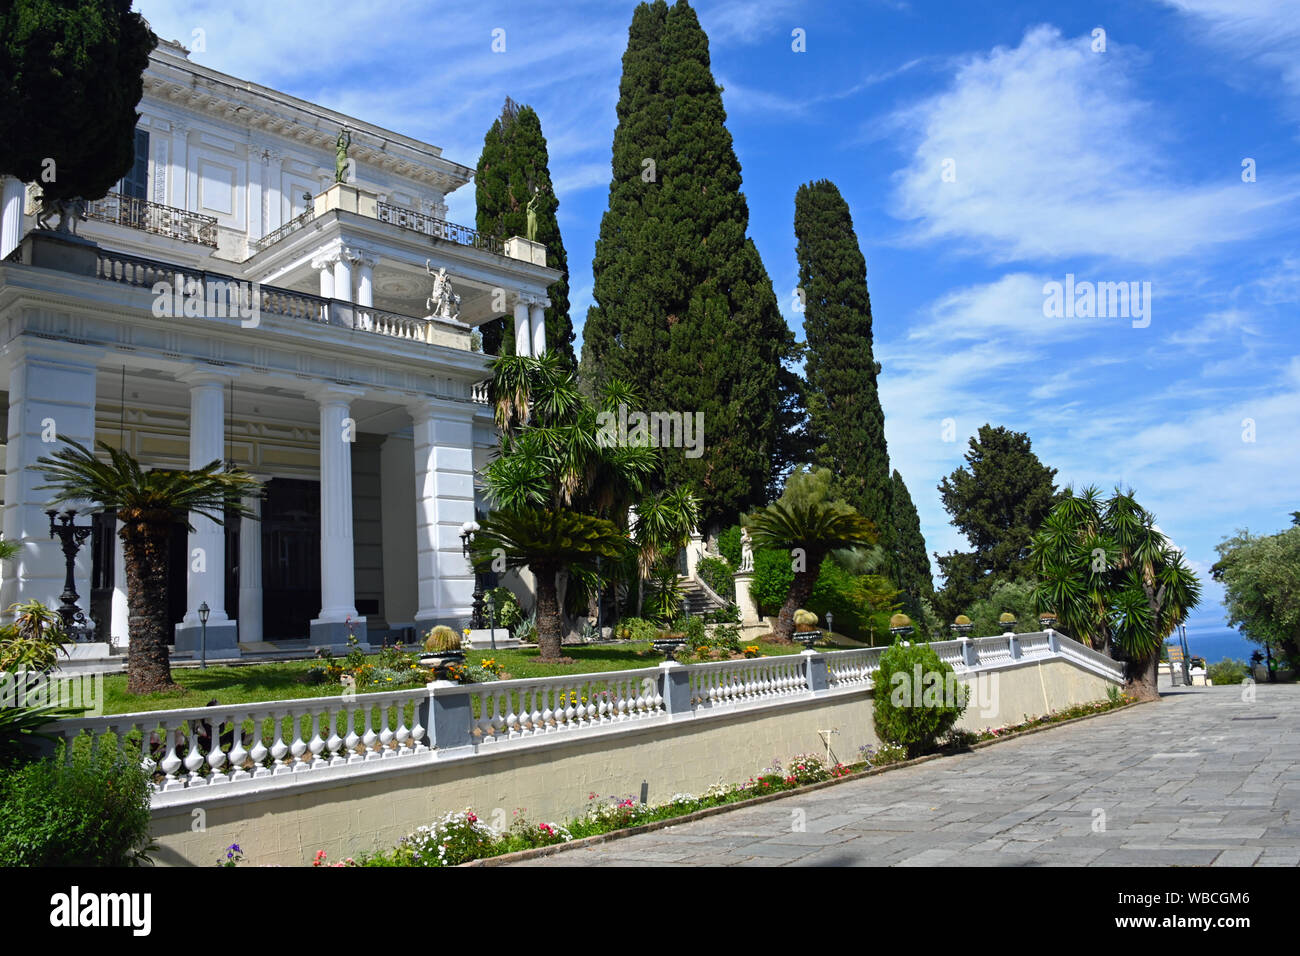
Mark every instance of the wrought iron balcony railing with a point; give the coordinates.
(439, 228)
(154, 218)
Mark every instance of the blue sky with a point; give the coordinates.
(1115, 165)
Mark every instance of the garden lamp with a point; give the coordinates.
(204, 611)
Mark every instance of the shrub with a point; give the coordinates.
(723, 615)
(93, 811)
(506, 608)
(526, 629)
(729, 545)
(442, 638)
(34, 639)
(1227, 671)
(718, 575)
(636, 629)
(913, 716)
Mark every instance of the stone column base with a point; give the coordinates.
(334, 634)
(222, 640)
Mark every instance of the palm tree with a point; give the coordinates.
(148, 503)
(1113, 579)
(809, 530)
(552, 460)
(547, 541)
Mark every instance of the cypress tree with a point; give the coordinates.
(685, 307)
(846, 422)
(514, 161)
(630, 267)
(911, 562)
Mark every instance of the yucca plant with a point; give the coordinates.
(147, 503)
(808, 530)
(34, 639)
(1113, 579)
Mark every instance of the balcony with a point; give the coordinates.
(224, 295)
(154, 218)
(352, 199)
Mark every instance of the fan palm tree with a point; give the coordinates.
(809, 530)
(1113, 579)
(547, 541)
(147, 503)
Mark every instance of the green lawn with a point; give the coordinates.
(285, 680)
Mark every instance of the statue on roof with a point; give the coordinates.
(341, 155)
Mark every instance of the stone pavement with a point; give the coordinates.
(1201, 778)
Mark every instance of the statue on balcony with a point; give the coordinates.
(70, 212)
(341, 164)
(443, 303)
(530, 232)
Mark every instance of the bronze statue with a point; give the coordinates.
(341, 154)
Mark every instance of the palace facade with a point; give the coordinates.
(274, 284)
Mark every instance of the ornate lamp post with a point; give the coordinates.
(71, 536)
(467, 532)
(204, 611)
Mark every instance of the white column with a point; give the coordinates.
(250, 574)
(325, 266)
(523, 339)
(206, 560)
(119, 627)
(256, 177)
(538, 310)
(51, 392)
(11, 215)
(343, 277)
(366, 280)
(337, 573)
(178, 169)
(444, 500)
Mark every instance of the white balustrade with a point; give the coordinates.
(730, 682)
(853, 667)
(1034, 645)
(951, 653)
(994, 650)
(511, 709)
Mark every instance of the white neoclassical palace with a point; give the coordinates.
(240, 303)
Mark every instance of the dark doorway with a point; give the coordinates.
(103, 547)
(290, 557)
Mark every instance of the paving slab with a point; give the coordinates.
(1182, 782)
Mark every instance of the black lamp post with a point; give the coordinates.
(467, 532)
(71, 536)
(204, 611)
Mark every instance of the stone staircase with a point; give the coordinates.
(696, 600)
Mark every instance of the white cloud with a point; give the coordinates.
(1261, 31)
(1056, 157)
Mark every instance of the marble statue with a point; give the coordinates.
(69, 211)
(341, 155)
(443, 303)
(746, 551)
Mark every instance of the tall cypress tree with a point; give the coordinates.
(685, 307)
(513, 163)
(911, 561)
(846, 421)
(630, 267)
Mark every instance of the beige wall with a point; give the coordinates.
(552, 780)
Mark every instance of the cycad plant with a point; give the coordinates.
(1113, 579)
(808, 530)
(147, 503)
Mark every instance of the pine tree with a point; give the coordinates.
(997, 500)
(513, 163)
(846, 422)
(685, 308)
(911, 563)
